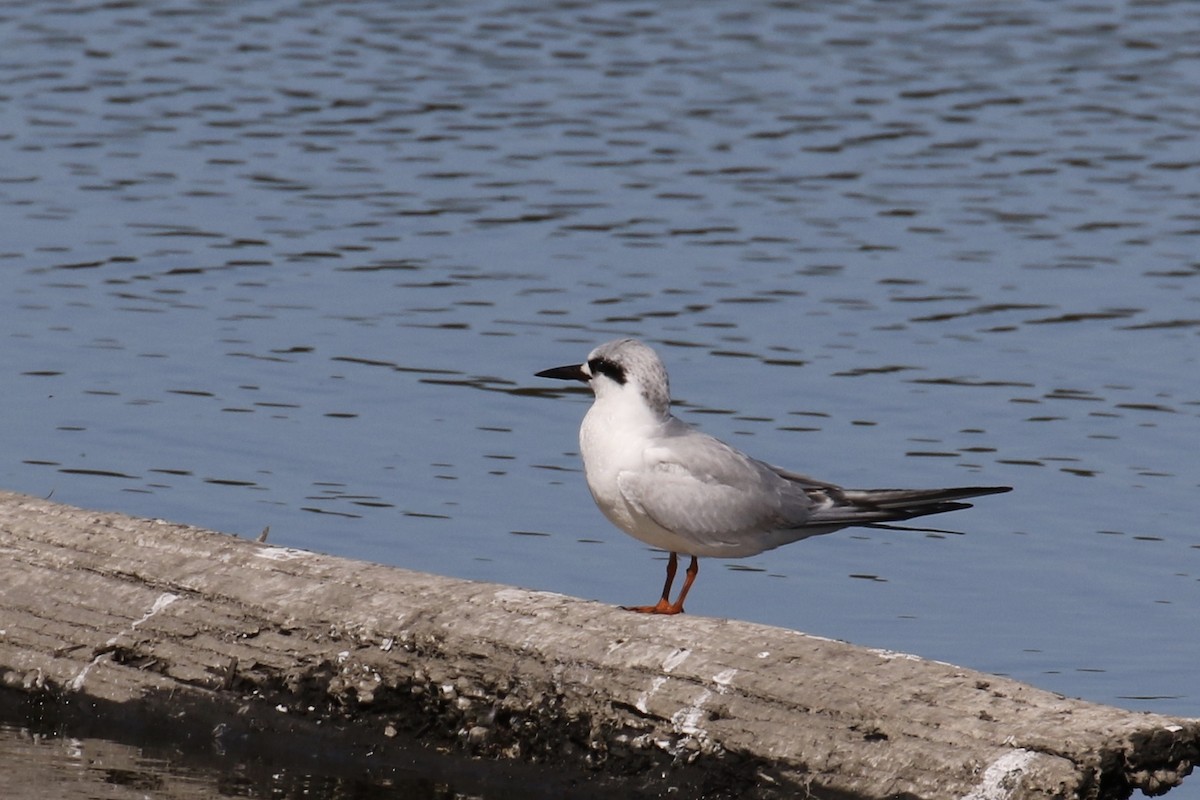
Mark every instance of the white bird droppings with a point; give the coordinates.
(645, 696)
(280, 553)
(675, 659)
(723, 678)
(1002, 778)
(162, 601)
(687, 720)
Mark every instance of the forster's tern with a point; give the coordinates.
(683, 491)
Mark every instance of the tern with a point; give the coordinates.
(680, 490)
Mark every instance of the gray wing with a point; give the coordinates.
(726, 502)
(709, 493)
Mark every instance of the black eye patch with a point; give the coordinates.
(602, 366)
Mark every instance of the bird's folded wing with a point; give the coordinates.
(707, 492)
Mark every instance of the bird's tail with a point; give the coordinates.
(837, 506)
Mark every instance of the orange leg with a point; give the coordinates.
(664, 605)
(692, 571)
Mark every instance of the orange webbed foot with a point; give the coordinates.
(665, 606)
(662, 607)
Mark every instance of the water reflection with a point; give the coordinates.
(66, 759)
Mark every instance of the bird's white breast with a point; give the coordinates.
(613, 439)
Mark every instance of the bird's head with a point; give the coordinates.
(622, 368)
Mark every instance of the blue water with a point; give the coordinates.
(295, 266)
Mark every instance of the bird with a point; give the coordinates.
(683, 491)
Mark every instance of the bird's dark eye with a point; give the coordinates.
(602, 366)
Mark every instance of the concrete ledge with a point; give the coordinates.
(162, 617)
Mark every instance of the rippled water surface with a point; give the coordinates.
(294, 266)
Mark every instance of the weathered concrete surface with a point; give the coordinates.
(169, 617)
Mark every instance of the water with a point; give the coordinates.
(40, 765)
(294, 266)
(65, 758)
